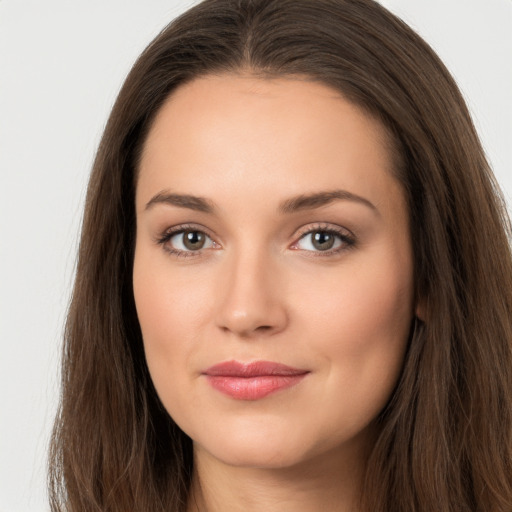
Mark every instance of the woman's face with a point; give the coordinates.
(273, 273)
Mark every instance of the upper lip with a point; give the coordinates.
(252, 369)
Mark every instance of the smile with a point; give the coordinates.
(252, 381)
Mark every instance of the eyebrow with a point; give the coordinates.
(319, 199)
(183, 201)
(294, 204)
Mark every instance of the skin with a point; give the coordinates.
(260, 289)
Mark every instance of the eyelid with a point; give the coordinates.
(323, 226)
(164, 237)
(178, 228)
(346, 236)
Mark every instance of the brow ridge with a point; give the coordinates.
(294, 204)
(319, 199)
(182, 200)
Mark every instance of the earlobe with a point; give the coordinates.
(420, 310)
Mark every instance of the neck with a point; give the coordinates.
(331, 484)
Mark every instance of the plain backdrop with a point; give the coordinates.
(61, 66)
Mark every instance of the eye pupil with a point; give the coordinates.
(193, 240)
(322, 240)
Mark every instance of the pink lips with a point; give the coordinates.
(252, 381)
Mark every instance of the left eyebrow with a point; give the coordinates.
(319, 199)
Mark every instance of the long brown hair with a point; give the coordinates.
(444, 440)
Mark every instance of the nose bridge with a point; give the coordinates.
(251, 302)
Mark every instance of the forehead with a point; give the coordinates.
(212, 97)
(282, 134)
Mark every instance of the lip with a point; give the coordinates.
(252, 381)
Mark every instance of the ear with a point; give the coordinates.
(421, 310)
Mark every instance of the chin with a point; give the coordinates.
(257, 455)
(268, 446)
(252, 444)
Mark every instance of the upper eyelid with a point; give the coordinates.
(304, 230)
(334, 228)
(180, 228)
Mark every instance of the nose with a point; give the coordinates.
(251, 299)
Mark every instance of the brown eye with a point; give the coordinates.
(322, 240)
(187, 241)
(193, 240)
(329, 241)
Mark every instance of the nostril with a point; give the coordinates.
(264, 328)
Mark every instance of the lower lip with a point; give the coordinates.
(252, 388)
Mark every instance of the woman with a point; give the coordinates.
(293, 288)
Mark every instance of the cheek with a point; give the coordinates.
(361, 326)
(170, 312)
(360, 304)
(168, 300)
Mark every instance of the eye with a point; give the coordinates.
(186, 241)
(190, 240)
(324, 240)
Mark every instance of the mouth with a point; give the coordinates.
(252, 381)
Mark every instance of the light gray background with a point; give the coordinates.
(61, 65)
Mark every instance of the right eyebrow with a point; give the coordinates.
(199, 204)
(319, 199)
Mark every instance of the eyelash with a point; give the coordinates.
(347, 238)
(167, 235)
